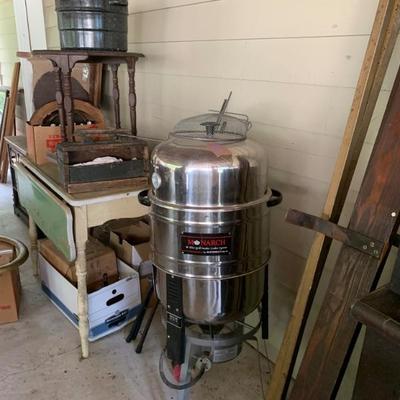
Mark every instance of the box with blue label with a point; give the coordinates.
(109, 308)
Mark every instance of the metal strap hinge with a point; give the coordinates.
(350, 238)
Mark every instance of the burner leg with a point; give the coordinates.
(264, 307)
(185, 376)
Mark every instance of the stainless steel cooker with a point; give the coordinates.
(210, 212)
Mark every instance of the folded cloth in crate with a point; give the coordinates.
(99, 160)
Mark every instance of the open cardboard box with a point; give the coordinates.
(42, 141)
(109, 308)
(131, 243)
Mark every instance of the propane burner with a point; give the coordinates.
(204, 346)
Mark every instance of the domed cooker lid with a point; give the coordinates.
(214, 126)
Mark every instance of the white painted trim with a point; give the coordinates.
(31, 34)
(37, 27)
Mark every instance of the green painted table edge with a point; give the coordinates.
(50, 214)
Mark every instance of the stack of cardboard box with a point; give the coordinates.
(114, 287)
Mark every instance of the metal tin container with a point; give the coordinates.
(210, 217)
(93, 24)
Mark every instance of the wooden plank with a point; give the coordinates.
(51, 214)
(9, 123)
(355, 274)
(96, 78)
(376, 60)
(127, 184)
(2, 127)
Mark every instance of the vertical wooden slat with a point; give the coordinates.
(9, 122)
(376, 60)
(355, 273)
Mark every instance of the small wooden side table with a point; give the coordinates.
(64, 61)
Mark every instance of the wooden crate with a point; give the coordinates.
(132, 172)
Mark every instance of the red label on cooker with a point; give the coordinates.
(206, 244)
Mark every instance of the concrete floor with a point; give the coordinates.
(39, 354)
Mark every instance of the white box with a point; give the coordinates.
(109, 308)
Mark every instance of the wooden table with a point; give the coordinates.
(65, 219)
(63, 62)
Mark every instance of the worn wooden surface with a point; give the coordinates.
(64, 61)
(9, 122)
(49, 175)
(115, 95)
(376, 59)
(130, 172)
(379, 369)
(96, 79)
(378, 374)
(81, 237)
(122, 184)
(87, 56)
(380, 310)
(125, 147)
(3, 129)
(355, 274)
(84, 108)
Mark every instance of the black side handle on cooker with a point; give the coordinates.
(143, 198)
(118, 2)
(275, 199)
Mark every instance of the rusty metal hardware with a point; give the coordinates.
(348, 237)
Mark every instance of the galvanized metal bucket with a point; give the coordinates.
(93, 24)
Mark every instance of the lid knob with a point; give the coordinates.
(210, 127)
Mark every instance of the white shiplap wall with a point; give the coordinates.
(292, 67)
(8, 41)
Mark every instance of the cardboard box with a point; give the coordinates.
(101, 263)
(131, 243)
(6, 253)
(10, 287)
(38, 139)
(109, 309)
(42, 141)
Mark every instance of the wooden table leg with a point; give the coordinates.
(132, 93)
(59, 98)
(34, 245)
(115, 94)
(68, 102)
(81, 236)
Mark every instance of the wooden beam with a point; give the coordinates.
(96, 78)
(376, 214)
(9, 122)
(376, 59)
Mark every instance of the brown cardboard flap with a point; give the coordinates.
(9, 296)
(134, 234)
(131, 243)
(6, 253)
